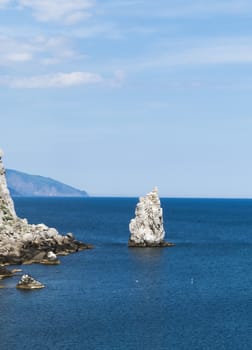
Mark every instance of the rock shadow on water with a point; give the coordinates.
(147, 254)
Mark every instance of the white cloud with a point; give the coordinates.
(14, 51)
(57, 80)
(66, 11)
(76, 17)
(40, 49)
(19, 57)
(74, 11)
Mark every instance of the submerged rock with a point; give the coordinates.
(146, 229)
(28, 282)
(22, 242)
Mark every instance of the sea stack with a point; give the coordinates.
(146, 229)
(21, 242)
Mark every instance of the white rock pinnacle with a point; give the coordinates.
(147, 227)
(6, 203)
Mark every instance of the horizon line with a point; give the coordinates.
(132, 196)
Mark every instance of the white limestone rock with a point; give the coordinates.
(146, 229)
(51, 256)
(50, 259)
(7, 210)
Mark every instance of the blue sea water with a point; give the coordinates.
(196, 295)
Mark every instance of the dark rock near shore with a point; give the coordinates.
(37, 252)
(5, 273)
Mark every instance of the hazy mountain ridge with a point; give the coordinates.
(22, 184)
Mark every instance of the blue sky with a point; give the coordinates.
(117, 96)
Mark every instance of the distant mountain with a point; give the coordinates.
(22, 184)
(13, 192)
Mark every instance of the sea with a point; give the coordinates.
(196, 295)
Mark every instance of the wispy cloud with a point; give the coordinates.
(211, 51)
(118, 79)
(57, 80)
(4, 3)
(54, 50)
(75, 11)
(13, 51)
(65, 11)
(104, 30)
(18, 57)
(202, 8)
(216, 51)
(45, 50)
(177, 9)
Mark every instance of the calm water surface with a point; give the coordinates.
(197, 295)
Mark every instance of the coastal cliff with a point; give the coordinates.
(21, 242)
(146, 229)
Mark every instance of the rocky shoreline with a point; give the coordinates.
(38, 249)
(23, 243)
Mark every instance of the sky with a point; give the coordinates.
(118, 96)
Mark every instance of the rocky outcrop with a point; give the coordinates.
(147, 228)
(28, 282)
(5, 273)
(21, 242)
